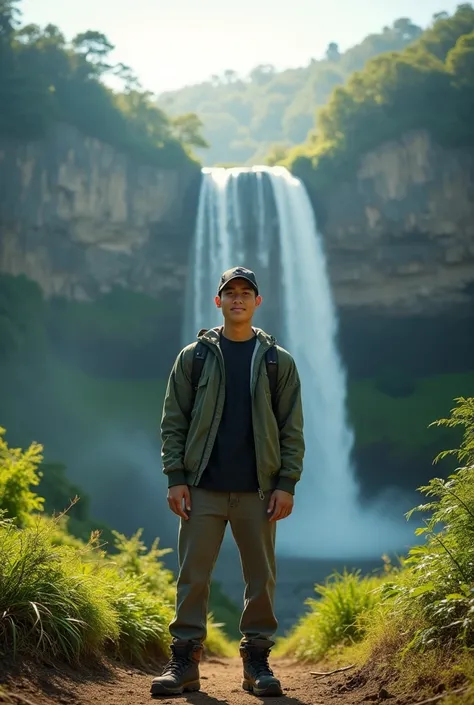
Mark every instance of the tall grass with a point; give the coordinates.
(63, 597)
(337, 617)
(52, 601)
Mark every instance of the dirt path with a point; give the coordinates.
(220, 685)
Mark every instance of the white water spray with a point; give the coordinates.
(262, 218)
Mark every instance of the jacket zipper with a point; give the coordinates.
(252, 391)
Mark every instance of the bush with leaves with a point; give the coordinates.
(18, 473)
(438, 586)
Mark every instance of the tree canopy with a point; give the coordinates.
(429, 85)
(243, 117)
(45, 79)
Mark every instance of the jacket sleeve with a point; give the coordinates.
(177, 407)
(290, 421)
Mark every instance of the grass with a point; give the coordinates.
(52, 600)
(61, 597)
(337, 617)
(67, 599)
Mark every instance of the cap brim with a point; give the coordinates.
(239, 276)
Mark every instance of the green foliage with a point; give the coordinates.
(136, 560)
(243, 117)
(338, 616)
(438, 587)
(427, 85)
(63, 597)
(142, 618)
(52, 602)
(46, 79)
(18, 473)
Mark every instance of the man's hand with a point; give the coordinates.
(280, 505)
(178, 496)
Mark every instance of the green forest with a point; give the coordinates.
(244, 116)
(45, 79)
(429, 85)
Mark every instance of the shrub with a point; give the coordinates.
(439, 586)
(337, 617)
(18, 473)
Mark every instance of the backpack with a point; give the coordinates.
(271, 361)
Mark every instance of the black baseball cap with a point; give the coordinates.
(237, 273)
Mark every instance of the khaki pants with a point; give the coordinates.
(200, 538)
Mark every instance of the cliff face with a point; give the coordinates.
(77, 216)
(400, 236)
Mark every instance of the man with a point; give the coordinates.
(230, 458)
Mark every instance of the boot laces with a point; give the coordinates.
(177, 664)
(259, 660)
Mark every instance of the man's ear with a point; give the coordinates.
(217, 301)
(258, 300)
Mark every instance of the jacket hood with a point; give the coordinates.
(212, 336)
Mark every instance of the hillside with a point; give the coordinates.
(244, 116)
(428, 85)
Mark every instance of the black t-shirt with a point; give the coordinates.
(232, 466)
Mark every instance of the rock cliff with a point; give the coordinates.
(77, 216)
(400, 236)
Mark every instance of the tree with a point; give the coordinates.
(231, 76)
(406, 28)
(9, 17)
(95, 48)
(333, 53)
(187, 129)
(460, 61)
(261, 74)
(125, 73)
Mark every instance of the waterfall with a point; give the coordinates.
(261, 218)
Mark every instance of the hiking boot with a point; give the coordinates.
(181, 673)
(258, 676)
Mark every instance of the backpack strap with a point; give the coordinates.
(199, 357)
(271, 361)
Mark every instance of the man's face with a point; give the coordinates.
(238, 301)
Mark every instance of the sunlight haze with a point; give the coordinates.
(172, 44)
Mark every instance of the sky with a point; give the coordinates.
(173, 43)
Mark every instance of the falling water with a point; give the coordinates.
(262, 218)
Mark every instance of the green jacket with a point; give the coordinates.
(188, 433)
